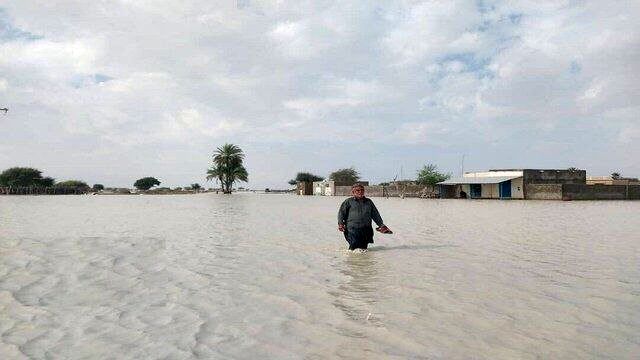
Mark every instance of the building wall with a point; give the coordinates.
(594, 192)
(328, 191)
(374, 191)
(544, 192)
(304, 188)
(449, 191)
(517, 188)
(343, 191)
(319, 187)
(490, 191)
(552, 176)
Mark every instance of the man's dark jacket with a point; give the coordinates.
(358, 213)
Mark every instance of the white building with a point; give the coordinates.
(495, 184)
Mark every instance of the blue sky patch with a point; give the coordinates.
(82, 80)
(575, 67)
(8, 32)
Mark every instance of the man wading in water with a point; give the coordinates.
(354, 219)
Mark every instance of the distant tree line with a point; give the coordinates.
(26, 177)
(428, 175)
(26, 180)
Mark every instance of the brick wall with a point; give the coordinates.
(594, 192)
(544, 192)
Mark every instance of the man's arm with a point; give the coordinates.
(343, 213)
(375, 215)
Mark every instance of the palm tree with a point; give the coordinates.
(227, 167)
(214, 173)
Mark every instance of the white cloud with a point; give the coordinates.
(54, 59)
(186, 76)
(339, 94)
(430, 133)
(433, 29)
(293, 39)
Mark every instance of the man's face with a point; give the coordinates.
(358, 192)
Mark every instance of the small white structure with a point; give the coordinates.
(322, 187)
(328, 187)
(495, 184)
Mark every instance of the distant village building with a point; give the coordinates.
(511, 184)
(304, 188)
(529, 184)
(332, 188)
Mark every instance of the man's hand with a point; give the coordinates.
(341, 227)
(384, 229)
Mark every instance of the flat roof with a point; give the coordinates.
(478, 180)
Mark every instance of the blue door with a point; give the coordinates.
(505, 189)
(476, 191)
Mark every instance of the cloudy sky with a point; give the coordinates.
(110, 91)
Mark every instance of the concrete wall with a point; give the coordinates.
(544, 192)
(594, 192)
(517, 188)
(535, 176)
(633, 192)
(343, 191)
(374, 191)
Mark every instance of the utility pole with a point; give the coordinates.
(402, 183)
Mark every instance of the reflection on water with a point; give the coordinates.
(408, 247)
(358, 292)
(241, 276)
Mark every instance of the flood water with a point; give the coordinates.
(252, 276)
